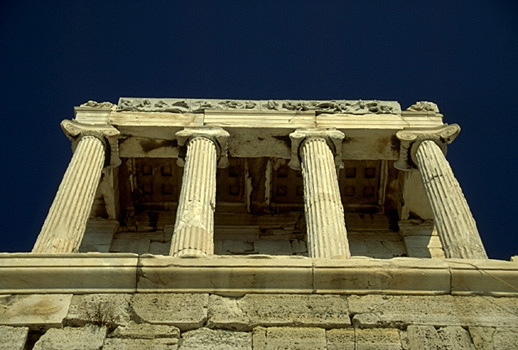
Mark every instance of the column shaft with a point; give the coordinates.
(455, 224)
(327, 235)
(65, 224)
(194, 228)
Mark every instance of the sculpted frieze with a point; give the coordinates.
(95, 104)
(423, 106)
(200, 105)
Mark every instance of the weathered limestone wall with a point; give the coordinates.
(256, 321)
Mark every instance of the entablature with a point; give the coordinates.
(259, 128)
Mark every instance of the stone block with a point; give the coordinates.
(89, 337)
(209, 339)
(230, 246)
(489, 338)
(34, 311)
(428, 337)
(358, 247)
(98, 235)
(141, 344)
(223, 274)
(134, 330)
(440, 310)
(455, 338)
(298, 247)
(417, 241)
(326, 311)
(338, 339)
(159, 248)
(13, 338)
(102, 309)
(183, 310)
(397, 275)
(273, 247)
(363, 339)
(77, 273)
(289, 338)
(437, 253)
(227, 313)
(422, 337)
(378, 250)
(128, 243)
(483, 276)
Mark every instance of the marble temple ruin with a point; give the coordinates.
(258, 224)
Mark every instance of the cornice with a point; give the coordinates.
(22, 273)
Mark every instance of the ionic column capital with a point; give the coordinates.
(108, 135)
(410, 139)
(333, 139)
(217, 135)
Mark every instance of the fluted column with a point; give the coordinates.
(65, 225)
(326, 232)
(455, 224)
(453, 219)
(194, 228)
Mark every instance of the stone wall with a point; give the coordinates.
(282, 234)
(256, 321)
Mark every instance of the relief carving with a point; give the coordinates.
(334, 106)
(199, 106)
(94, 104)
(424, 106)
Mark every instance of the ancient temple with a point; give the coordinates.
(247, 224)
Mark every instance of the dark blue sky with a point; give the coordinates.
(463, 55)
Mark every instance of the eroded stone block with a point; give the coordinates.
(210, 339)
(184, 310)
(145, 331)
(289, 338)
(422, 337)
(326, 311)
(440, 310)
(363, 339)
(102, 309)
(455, 338)
(89, 337)
(35, 310)
(227, 313)
(338, 339)
(488, 338)
(378, 339)
(141, 344)
(13, 338)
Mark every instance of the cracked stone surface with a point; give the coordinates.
(210, 339)
(327, 311)
(289, 338)
(89, 337)
(13, 338)
(112, 309)
(440, 310)
(184, 310)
